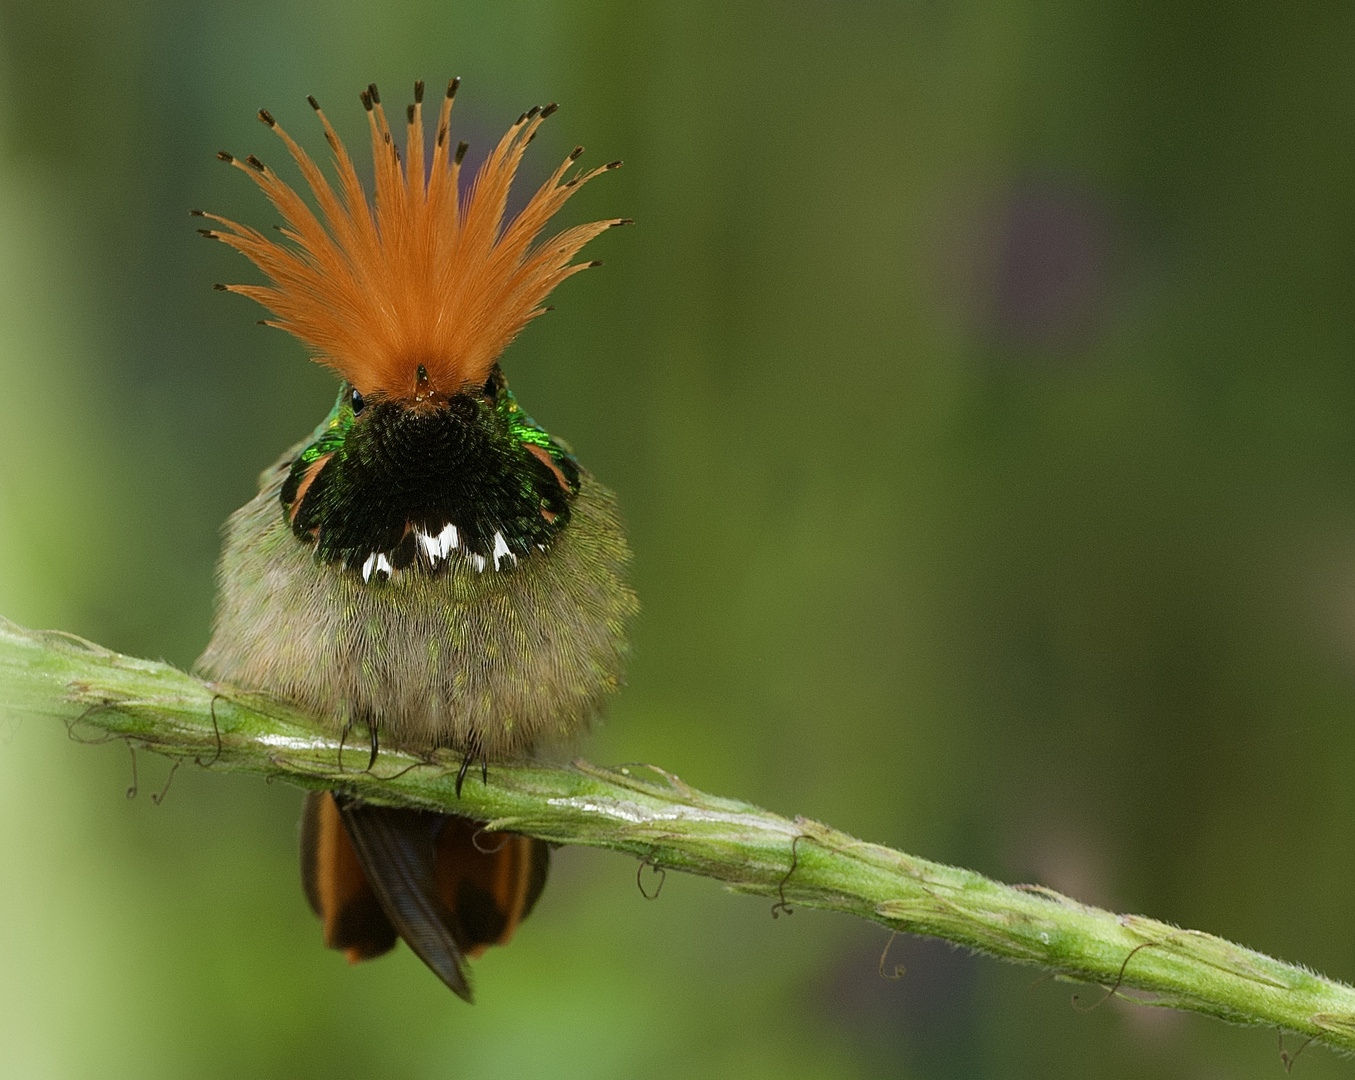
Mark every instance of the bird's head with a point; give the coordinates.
(426, 457)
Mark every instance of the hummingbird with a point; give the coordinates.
(429, 564)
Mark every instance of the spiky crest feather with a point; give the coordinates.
(426, 277)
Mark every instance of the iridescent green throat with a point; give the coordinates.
(385, 488)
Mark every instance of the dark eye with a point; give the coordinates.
(357, 402)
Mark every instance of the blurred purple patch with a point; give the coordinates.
(925, 1016)
(1043, 266)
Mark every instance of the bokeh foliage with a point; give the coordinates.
(978, 384)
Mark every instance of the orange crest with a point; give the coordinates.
(426, 277)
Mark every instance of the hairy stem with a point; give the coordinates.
(651, 814)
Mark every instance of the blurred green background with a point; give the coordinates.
(978, 384)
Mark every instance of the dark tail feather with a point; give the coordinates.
(449, 888)
(398, 852)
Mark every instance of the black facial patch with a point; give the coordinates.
(398, 477)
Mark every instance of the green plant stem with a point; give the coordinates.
(648, 813)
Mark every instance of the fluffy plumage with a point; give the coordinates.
(500, 663)
(424, 277)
